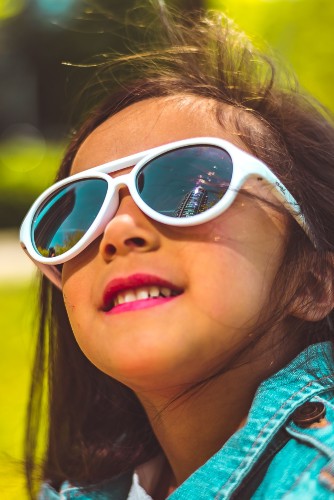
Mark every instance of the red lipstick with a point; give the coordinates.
(132, 282)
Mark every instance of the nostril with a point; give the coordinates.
(110, 249)
(135, 242)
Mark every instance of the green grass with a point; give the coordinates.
(16, 318)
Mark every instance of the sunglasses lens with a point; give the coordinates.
(66, 216)
(186, 181)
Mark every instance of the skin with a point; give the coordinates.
(226, 268)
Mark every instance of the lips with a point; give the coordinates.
(136, 289)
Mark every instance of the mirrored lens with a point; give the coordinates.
(186, 181)
(66, 216)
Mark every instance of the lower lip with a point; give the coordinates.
(140, 304)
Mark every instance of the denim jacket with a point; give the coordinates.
(284, 451)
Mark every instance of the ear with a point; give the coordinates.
(316, 301)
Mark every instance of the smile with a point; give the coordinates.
(143, 293)
(137, 292)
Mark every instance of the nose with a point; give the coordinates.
(128, 231)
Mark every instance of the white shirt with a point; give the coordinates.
(145, 479)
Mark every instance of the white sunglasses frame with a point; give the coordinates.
(245, 166)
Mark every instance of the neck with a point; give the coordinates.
(192, 427)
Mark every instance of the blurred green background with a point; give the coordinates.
(37, 115)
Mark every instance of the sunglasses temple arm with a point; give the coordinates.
(285, 197)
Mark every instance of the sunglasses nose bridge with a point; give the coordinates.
(119, 183)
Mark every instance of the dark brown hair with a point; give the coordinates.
(97, 428)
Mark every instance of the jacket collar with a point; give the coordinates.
(310, 374)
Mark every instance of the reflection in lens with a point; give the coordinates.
(66, 215)
(186, 181)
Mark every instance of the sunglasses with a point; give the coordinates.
(183, 183)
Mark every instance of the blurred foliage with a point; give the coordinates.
(25, 171)
(11, 8)
(301, 31)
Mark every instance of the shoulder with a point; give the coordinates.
(304, 467)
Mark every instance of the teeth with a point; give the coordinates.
(142, 293)
(154, 291)
(121, 298)
(129, 296)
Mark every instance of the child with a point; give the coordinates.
(187, 309)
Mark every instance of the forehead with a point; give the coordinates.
(150, 123)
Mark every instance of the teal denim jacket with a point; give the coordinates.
(274, 456)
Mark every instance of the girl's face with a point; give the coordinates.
(223, 270)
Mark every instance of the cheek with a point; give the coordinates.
(229, 289)
(77, 293)
(74, 312)
(78, 303)
(231, 276)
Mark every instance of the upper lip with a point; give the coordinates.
(117, 285)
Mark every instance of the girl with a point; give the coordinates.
(187, 305)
